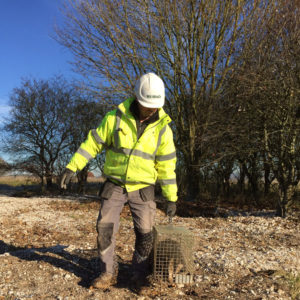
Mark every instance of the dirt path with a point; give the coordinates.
(48, 251)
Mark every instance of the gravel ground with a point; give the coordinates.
(48, 251)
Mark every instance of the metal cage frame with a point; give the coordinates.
(173, 254)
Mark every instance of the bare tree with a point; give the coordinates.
(36, 127)
(267, 90)
(190, 44)
(85, 114)
(4, 167)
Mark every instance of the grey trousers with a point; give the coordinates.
(113, 199)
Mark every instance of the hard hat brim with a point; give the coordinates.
(160, 103)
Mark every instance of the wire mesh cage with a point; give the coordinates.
(173, 254)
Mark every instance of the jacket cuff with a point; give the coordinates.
(70, 167)
(172, 199)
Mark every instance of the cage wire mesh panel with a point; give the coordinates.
(173, 254)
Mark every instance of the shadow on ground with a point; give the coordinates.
(83, 263)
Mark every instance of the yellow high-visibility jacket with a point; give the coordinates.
(134, 163)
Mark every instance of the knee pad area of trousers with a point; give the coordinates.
(105, 233)
(143, 243)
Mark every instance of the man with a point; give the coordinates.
(139, 151)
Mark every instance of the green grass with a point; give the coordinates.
(294, 284)
(292, 281)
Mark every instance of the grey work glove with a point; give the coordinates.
(171, 209)
(67, 175)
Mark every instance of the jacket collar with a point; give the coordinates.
(124, 107)
(134, 109)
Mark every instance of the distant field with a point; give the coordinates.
(18, 180)
(29, 180)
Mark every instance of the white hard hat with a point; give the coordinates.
(150, 91)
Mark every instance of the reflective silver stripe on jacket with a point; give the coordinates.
(84, 153)
(97, 137)
(137, 152)
(123, 181)
(166, 157)
(118, 122)
(144, 155)
(167, 181)
(162, 131)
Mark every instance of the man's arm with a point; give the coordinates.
(96, 141)
(165, 164)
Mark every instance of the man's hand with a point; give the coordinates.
(68, 174)
(171, 209)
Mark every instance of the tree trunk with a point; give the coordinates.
(82, 180)
(285, 199)
(267, 172)
(226, 186)
(42, 184)
(193, 188)
(241, 180)
(253, 176)
(267, 182)
(49, 182)
(281, 205)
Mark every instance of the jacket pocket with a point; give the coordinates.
(147, 193)
(107, 190)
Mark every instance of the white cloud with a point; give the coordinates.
(4, 111)
(4, 108)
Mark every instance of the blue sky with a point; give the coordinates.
(27, 47)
